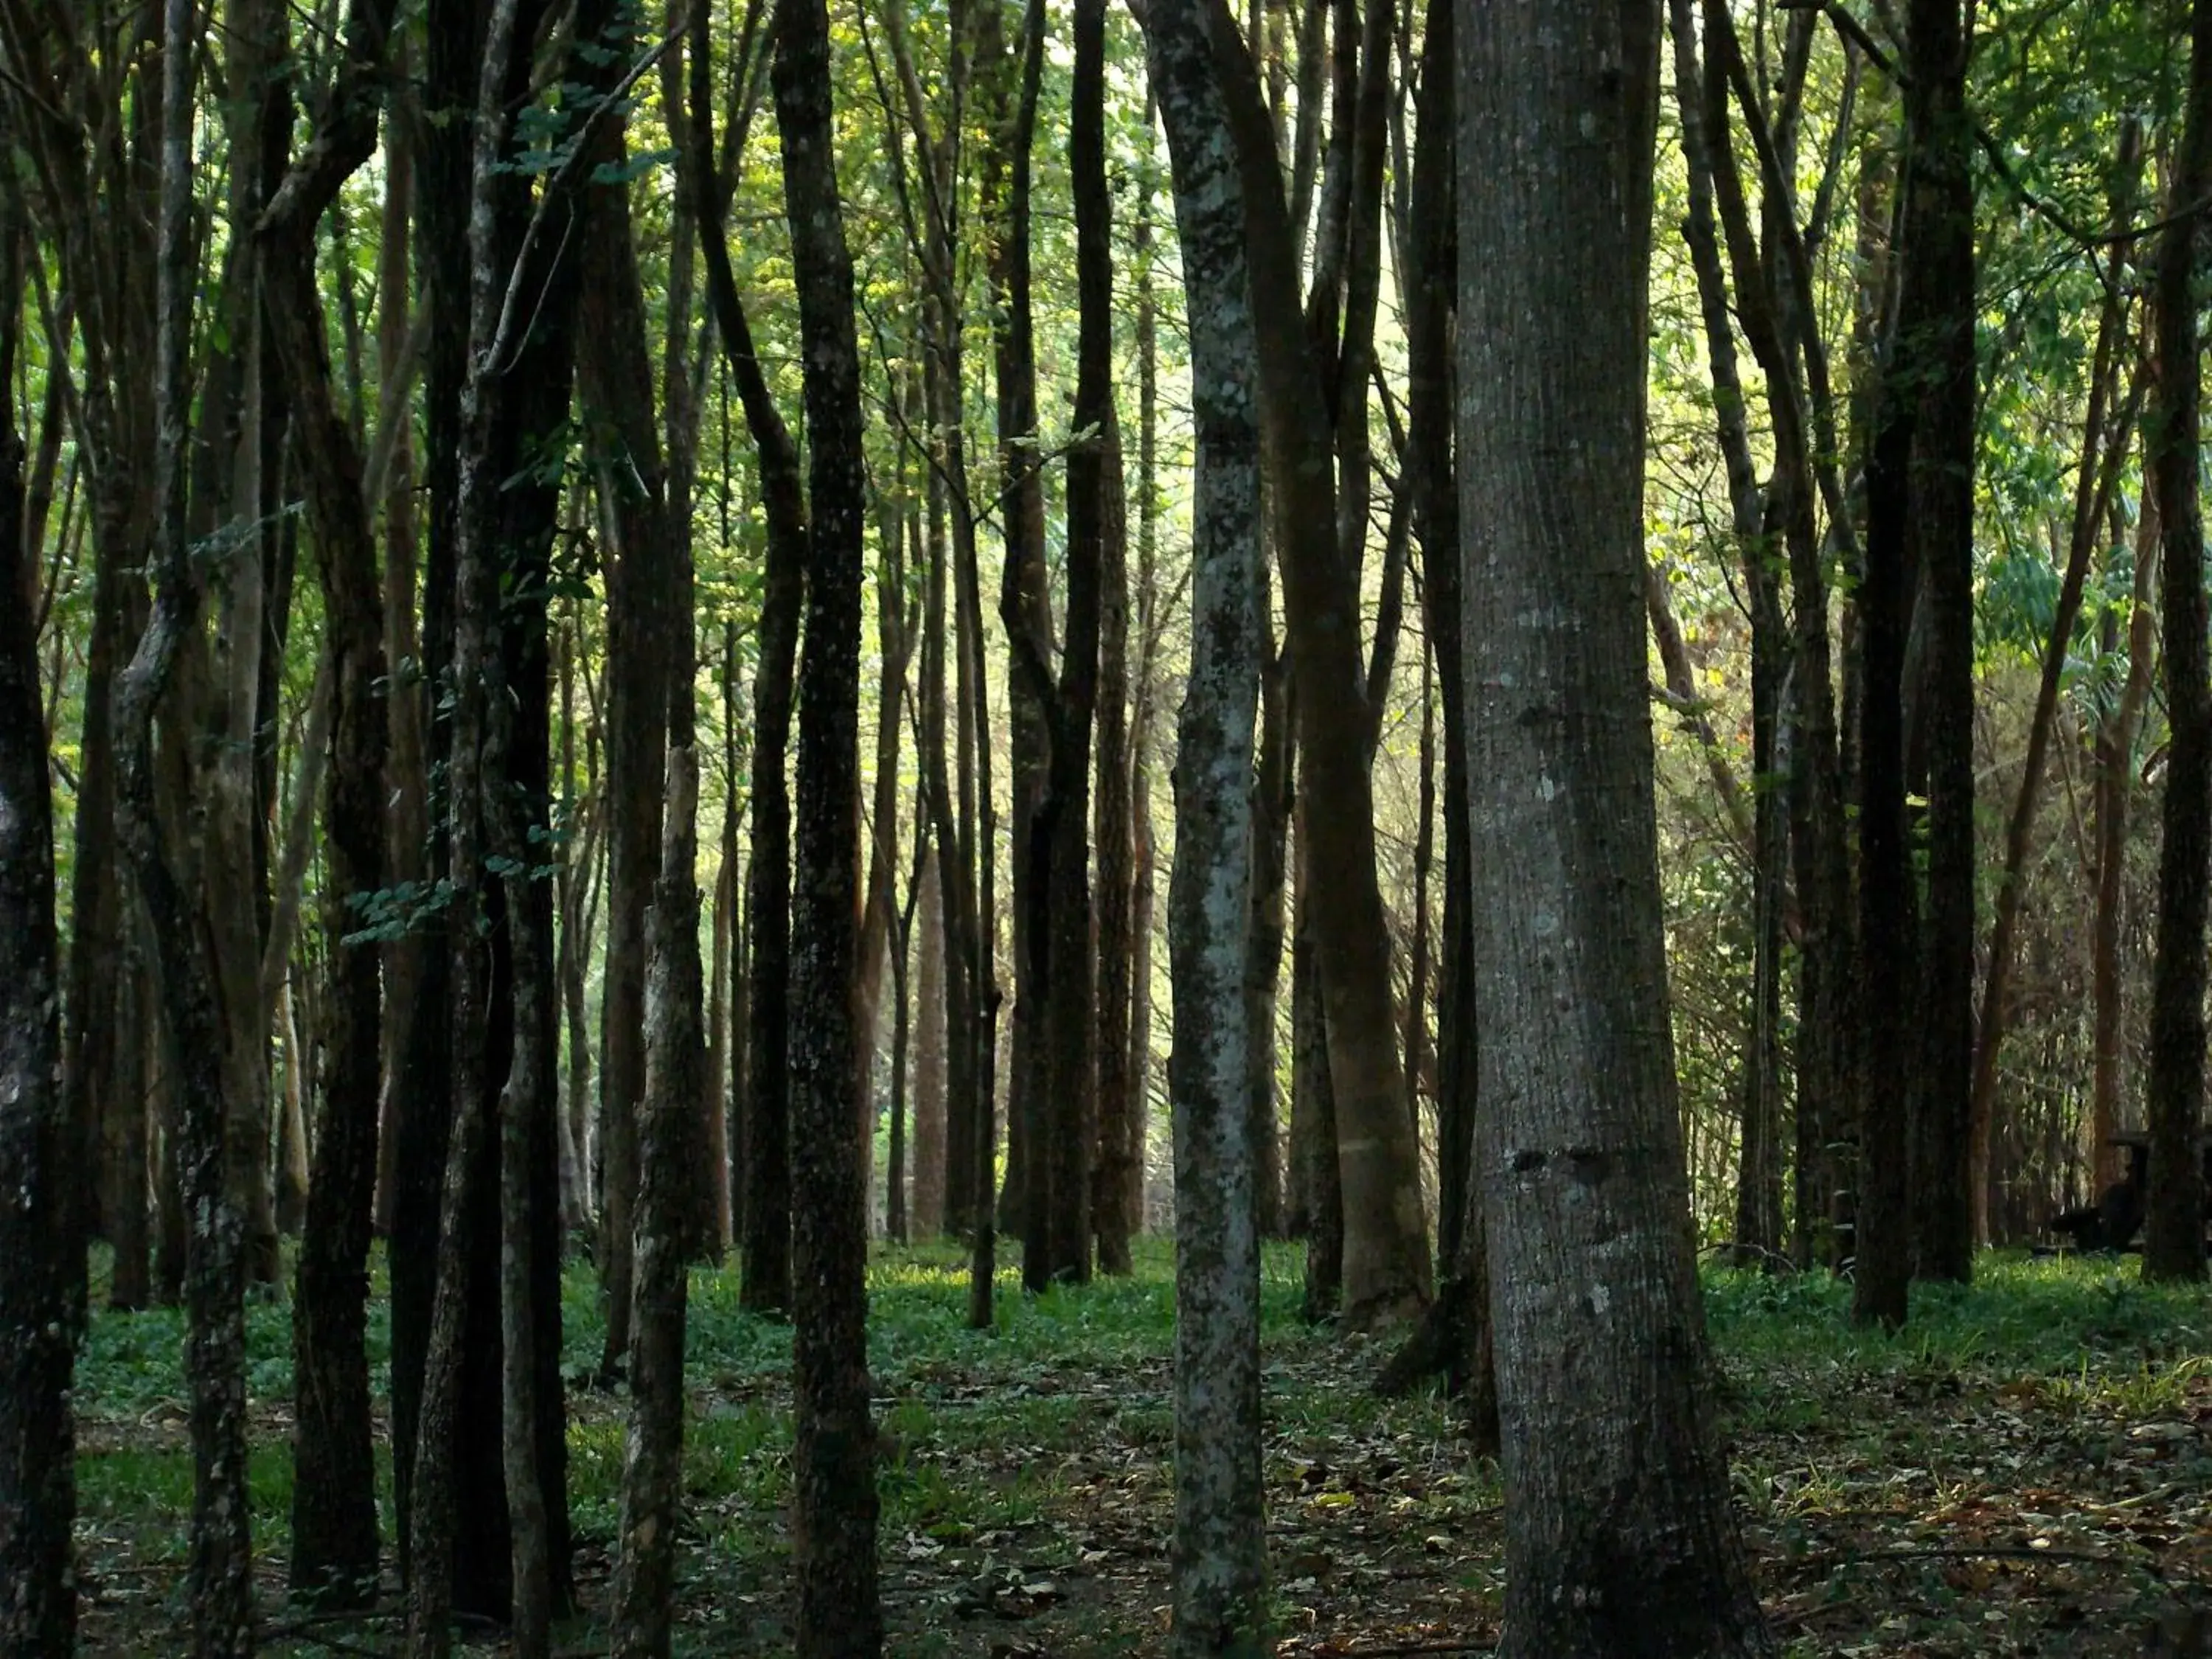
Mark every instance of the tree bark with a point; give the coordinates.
(926, 1217)
(334, 1531)
(1220, 1534)
(219, 1584)
(2173, 1211)
(1610, 1452)
(490, 1535)
(1274, 786)
(765, 1285)
(840, 1616)
(1312, 387)
(2116, 788)
(1936, 336)
(42, 1289)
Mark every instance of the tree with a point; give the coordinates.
(1314, 365)
(490, 1533)
(1220, 1534)
(334, 1536)
(41, 1252)
(1603, 1369)
(840, 1616)
(1936, 342)
(2173, 1239)
(220, 1582)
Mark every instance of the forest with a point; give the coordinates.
(1029, 827)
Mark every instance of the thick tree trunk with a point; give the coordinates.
(1220, 1534)
(490, 1535)
(42, 1288)
(2174, 1217)
(1610, 1452)
(1939, 337)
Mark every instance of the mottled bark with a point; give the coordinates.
(2174, 1217)
(652, 1490)
(1610, 1451)
(1220, 1534)
(42, 1284)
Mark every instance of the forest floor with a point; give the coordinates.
(2025, 1470)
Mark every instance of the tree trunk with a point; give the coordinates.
(1610, 1452)
(1274, 783)
(489, 1533)
(1220, 1534)
(1940, 246)
(2115, 787)
(406, 761)
(2107, 437)
(2173, 1211)
(1317, 437)
(1095, 476)
(835, 1505)
(334, 1531)
(42, 1290)
(927, 1215)
(653, 1493)
(219, 1582)
(765, 1284)
(1314, 1127)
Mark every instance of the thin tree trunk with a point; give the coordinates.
(1274, 784)
(219, 1579)
(1220, 1535)
(926, 1215)
(334, 1532)
(42, 1290)
(765, 1285)
(2173, 1211)
(652, 1494)
(840, 1616)
(1094, 477)
(2115, 786)
(2107, 437)
(1319, 441)
(1939, 245)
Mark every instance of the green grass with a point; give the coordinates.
(1042, 1447)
